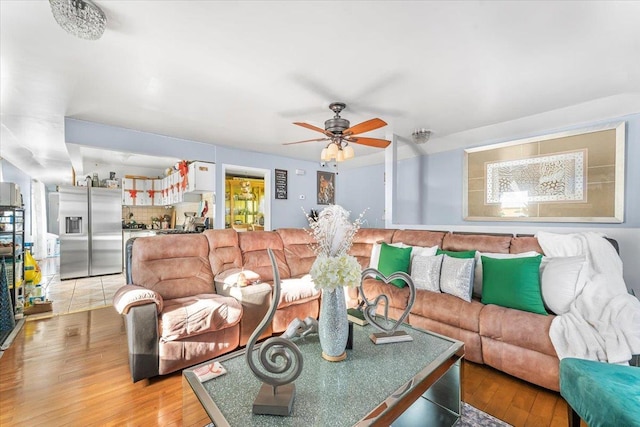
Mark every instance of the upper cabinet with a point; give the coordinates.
(183, 185)
(201, 178)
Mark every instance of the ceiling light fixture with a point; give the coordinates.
(82, 18)
(338, 149)
(420, 136)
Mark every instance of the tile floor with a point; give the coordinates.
(74, 295)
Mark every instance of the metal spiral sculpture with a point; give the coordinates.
(278, 356)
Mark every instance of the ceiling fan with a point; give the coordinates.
(340, 134)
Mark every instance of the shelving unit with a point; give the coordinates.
(12, 250)
(242, 203)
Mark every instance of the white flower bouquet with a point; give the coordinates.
(334, 233)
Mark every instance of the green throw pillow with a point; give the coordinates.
(457, 254)
(513, 283)
(392, 260)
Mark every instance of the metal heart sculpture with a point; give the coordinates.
(370, 307)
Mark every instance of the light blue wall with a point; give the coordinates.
(284, 213)
(439, 199)
(360, 189)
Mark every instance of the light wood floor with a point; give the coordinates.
(72, 370)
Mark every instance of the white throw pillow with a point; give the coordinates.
(422, 251)
(562, 279)
(425, 272)
(477, 280)
(456, 276)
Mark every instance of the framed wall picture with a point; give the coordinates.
(326, 188)
(281, 183)
(575, 176)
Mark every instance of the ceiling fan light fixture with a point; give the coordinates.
(81, 18)
(324, 155)
(340, 156)
(420, 136)
(332, 150)
(348, 152)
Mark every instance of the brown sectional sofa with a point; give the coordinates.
(512, 341)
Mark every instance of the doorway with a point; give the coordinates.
(247, 197)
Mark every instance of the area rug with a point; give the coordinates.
(475, 417)
(471, 417)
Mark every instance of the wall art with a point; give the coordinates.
(575, 176)
(326, 188)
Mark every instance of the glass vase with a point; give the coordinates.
(333, 326)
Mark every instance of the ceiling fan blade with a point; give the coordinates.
(306, 140)
(312, 127)
(371, 142)
(365, 127)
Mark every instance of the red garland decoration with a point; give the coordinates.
(152, 193)
(183, 167)
(133, 193)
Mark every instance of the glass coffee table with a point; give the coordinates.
(401, 384)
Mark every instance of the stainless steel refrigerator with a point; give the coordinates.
(90, 226)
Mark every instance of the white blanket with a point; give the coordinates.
(603, 322)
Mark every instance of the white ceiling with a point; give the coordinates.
(239, 73)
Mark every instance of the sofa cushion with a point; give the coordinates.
(480, 242)
(513, 283)
(398, 297)
(224, 250)
(174, 265)
(422, 238)
(518, 328)
(364, 240)
(297, 290)
(448, 309)
(254, 247)
(298, 250)
(196, 315)
(394, 260)
(525, 244)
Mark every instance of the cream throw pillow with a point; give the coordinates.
(562, 279)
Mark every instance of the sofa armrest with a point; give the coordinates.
(141, 323)
(255, 300)
(132, 295)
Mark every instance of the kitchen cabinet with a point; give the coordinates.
(201, 177)
(137, 191)
(176, 188)
(144, 186)
(12, 251)
(157, 192)
(244, 199)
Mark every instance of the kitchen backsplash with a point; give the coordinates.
(143, 214)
